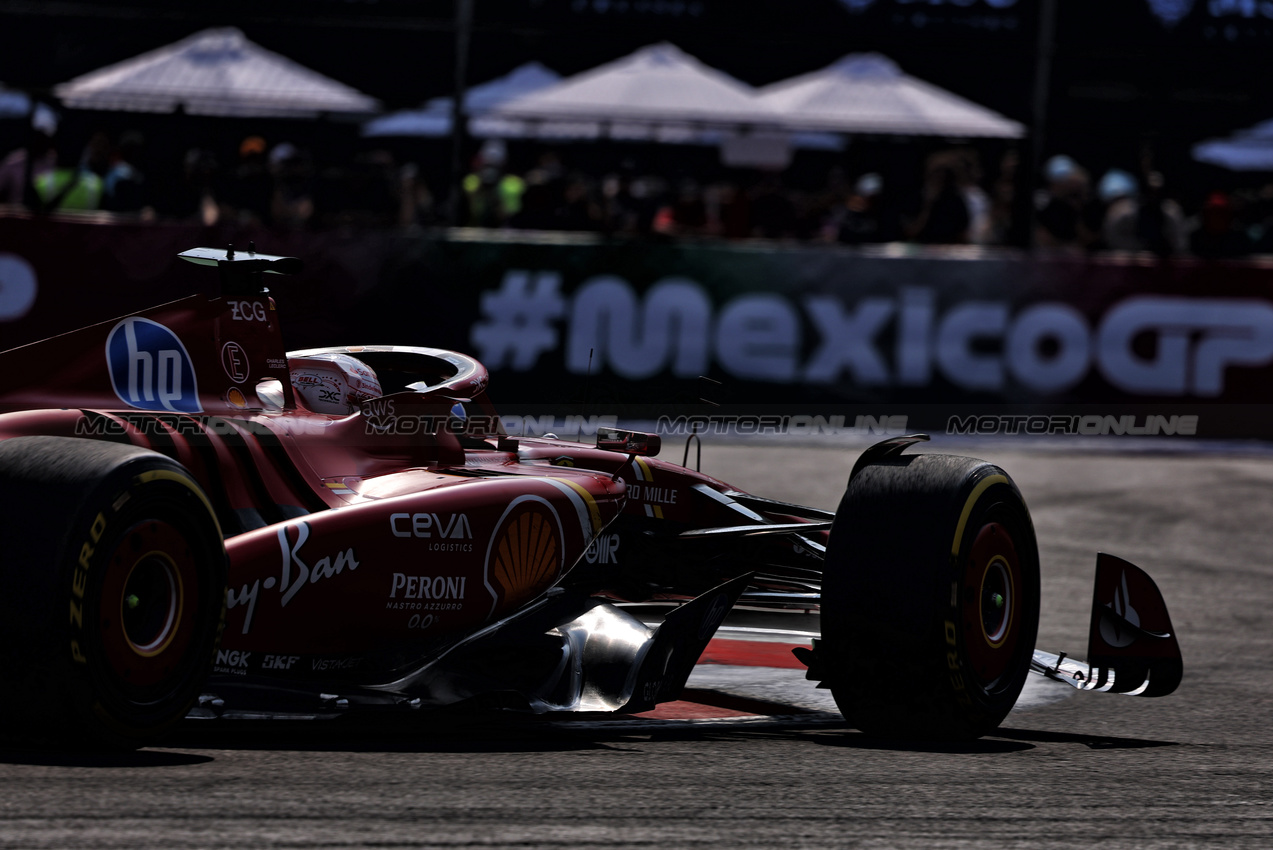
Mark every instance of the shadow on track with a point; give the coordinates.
(475, 734)
(982, 746)
(1095, 742)
(458, 732)
(1001, 740)
(141, 758)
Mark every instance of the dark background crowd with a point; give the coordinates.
(954, 195)
(1114, 97)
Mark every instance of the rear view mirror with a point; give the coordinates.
(628, 442)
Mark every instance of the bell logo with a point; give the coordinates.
(150, 369)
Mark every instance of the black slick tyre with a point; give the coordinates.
(930, 598)
(112, 592)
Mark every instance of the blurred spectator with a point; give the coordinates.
(1066, 215)
(21, 167)
(123, 184)
(1260, 219)
(943, 217)
(1160, 223)
(192, 197)
(687, 214)
(1117, 191)
(371, 191)
(629, 202)
(1218, 234)
(292, 205)
(1140, 221)
(825, 205)
(578, 210)
(249, 193)
(735, 211)
(97, 154)
(419, 207)
(860, 220)
(283, 186)
(967, 165)
(773, 215)
(1003, 199)
(539, 208)
(492, 197)
(77, 187)
(808, 210)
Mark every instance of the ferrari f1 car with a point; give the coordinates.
(196, 521)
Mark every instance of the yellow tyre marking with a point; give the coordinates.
(169, 475)
(981, 487)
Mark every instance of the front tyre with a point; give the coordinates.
(930, 598)
(112, 591)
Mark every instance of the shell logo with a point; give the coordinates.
(525, 554)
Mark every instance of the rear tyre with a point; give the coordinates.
(112, 591)
(930, 598)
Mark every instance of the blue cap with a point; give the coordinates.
(1116, 184)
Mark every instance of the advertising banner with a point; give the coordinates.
(801, 323)
(751, 326)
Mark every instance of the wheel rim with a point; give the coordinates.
(996, 602)
(149, 599)
(151, 604)
(992, 620)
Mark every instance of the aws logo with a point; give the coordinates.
(149, 367)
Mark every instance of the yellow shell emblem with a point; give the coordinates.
(527, 554)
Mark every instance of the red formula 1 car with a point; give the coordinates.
(196, 520)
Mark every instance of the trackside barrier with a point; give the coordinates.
(609, 324)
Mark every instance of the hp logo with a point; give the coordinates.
(150, 368)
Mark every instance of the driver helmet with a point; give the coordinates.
(333, 383)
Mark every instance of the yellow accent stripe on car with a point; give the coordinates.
(585, 505)
(643, 469)
(658, 511)
(594, 513)
(982, 486)
(169, 475)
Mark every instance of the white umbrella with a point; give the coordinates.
(434, 118)
(658, 93)
(1246, 150)
(214, 72)
(867, 93)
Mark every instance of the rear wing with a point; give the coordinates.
(241, 270)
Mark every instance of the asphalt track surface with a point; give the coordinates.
(1191, 770)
